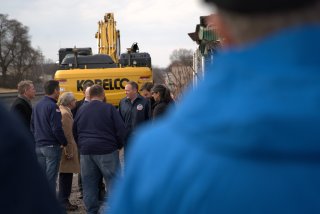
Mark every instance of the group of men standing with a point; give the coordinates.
(99, 129)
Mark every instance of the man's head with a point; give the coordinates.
(26, 88)
(52, 89)
(145, 90)
(253, 6)
(87, 94)
(85, 86)
(131, 90)
(97, 93)
(243, 21)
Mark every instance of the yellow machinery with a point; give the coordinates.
(108, 37)
(107, 68)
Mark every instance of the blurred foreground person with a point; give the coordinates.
(247, 139)
(24, 187)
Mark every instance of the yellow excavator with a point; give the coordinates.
(109, 68)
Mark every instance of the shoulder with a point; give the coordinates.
(65, 111)
(159, 107)
(46, 101)
(123, 100)
(19, 102)
(124, 103)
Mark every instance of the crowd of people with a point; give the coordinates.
(84, 136)
(245, 141)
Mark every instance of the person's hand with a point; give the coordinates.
(69, 156)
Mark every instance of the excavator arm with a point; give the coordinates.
(108, 37)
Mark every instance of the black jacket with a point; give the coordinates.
(24, 186)
(78, 105)
(133, 114)
(159, 109)
(23, 110)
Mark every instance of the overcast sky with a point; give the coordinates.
(159, 26)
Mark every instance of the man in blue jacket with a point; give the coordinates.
(99, 132)
(247, 139)
(47, 131)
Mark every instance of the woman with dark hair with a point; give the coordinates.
(162, 96)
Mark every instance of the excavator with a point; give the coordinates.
(109, 68)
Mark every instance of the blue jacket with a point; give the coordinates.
(246, 141)
(46, 123)
(98, 129)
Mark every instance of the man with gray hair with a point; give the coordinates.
(22, 105)
(247, 139)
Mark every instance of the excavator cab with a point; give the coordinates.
(135, 59)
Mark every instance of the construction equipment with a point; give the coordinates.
(109, 68)
(108, 37)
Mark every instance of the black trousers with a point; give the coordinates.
(65, 185)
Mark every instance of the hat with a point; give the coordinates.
(256, 6)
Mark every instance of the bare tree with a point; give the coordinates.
(183, 56)
(25, 64)
(158, 75)
(179, 74)
(17, 58)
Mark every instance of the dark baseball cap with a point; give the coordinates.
(256, 6)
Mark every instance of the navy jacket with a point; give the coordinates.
(98, 129)
(133, 114)
(46, 123)
(24, 186)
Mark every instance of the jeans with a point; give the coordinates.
(91, 168)
(49, 160)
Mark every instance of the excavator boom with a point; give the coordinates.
(108, 37)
